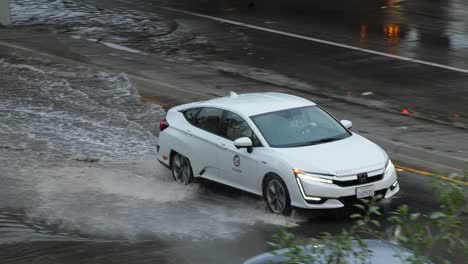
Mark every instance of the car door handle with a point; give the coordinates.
(188, 131)
(222, 145)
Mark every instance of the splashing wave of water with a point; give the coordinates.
(79, 152)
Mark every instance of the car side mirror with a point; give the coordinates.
(244, 142)
(346, 123)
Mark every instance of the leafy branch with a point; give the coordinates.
(422, 233)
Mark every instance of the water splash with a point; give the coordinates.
(79, 152)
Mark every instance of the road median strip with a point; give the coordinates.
(433, 175)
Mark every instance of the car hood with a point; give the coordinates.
(347, 156)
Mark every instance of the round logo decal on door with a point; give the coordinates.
(236, 160)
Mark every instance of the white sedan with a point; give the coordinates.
(282, 147)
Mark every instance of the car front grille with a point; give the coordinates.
(357, 182)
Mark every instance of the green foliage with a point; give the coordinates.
(365, 218)
(295, 253)
(421, 233)
(442, 229)
(328, 248)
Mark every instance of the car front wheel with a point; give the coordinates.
(182, 170)
(277, 196)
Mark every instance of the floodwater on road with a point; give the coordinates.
(78, 150)
(79, 179)
(78, 147)
(118, 27)
(80, 183)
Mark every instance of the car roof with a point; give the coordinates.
(250, 104)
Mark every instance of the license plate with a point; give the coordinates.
(365, 191)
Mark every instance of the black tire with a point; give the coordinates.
(181, 169)
(276, 195)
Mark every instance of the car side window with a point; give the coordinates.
(236, 127)
(209, 119)
(191, 114)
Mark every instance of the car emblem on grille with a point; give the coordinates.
(362, 177)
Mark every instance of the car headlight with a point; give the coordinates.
(388, 166)
(311, 176)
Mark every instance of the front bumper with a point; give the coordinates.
(319, 195)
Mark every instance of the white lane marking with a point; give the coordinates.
(331, 43)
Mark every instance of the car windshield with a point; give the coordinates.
(298, 127)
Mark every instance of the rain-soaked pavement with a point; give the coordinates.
(432, 31)
(77, 150)
(79, 182)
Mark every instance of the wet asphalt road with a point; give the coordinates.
(432, 31)
(125, 221)
(79, 183)
(52, 245)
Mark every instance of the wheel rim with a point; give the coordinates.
(276, 196)
(181, 169)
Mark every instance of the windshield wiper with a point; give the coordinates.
(325, 140)
(309, 143)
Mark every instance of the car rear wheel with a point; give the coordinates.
(182, 170)
(277, 196)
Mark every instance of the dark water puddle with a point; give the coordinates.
(15, 226)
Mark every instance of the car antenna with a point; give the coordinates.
(233, 94)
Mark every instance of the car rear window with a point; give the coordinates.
(191, 114)
(209, 119)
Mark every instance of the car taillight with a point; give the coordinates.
(163, 125)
